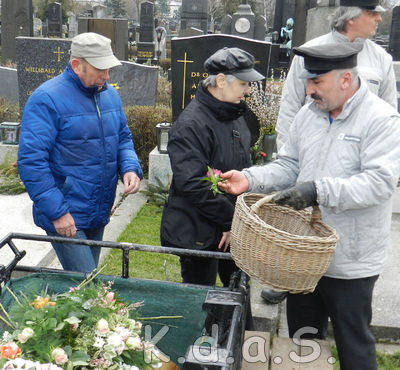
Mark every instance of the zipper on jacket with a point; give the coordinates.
(104, 157)
(97, 107)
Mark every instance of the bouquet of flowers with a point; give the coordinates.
(86, 327)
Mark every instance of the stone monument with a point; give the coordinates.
(16, 20)
(194, 15)
(54, 20)
(146, 45)
(113, 28)
(323, 10)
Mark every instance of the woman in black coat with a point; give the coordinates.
(211, 131)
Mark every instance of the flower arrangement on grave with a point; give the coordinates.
(264, 103)
(86, 327)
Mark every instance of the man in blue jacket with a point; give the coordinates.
(74, 143)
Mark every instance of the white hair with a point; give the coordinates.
(342, 15)
(211, 80)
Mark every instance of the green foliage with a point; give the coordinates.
(162, 8)
(164, 90)
(156, 194)
(10, 183)
(144, 229)
(142, 121)
(116, 7)
(42, 7)
(165, 63)
(9, 111)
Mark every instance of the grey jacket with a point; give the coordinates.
(355, 164)
(374, 65)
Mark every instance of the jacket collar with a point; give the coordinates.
(91, 90)
(222, 111)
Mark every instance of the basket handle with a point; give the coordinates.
(255, 208)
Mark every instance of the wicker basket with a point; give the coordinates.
(288, 250)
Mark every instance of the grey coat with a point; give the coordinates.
(355, 164)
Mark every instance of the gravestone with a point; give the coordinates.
(72, 26)
(16, 20)
(394, 41)
(54, 20)
(99, 11)
(323, 10)
(9, 84)
(135, 83)
(37, 27)
(145, 49)
(187, 59)
(194, 14)
(34, 68)
(226, 25)
(114, 29)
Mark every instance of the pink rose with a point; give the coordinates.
(110, 297)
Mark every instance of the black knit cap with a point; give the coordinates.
(320, 59)
(233, 61)
(372, 5)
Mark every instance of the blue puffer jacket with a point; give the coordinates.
(74, 142)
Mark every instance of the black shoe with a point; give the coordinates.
(273, 297)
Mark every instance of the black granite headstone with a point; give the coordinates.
(54, 20)
(146, 37)
(38, 60)
(136, 84)
(394, 41)
(187, 59)
(194, 14)
(16, 20)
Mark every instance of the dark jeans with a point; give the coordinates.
(348, 303)
(79, 257)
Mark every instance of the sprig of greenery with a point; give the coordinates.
(213, 177)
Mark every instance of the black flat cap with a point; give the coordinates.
(321, 59)
(372, 5)
(233, 61)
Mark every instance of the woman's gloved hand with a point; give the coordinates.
(300, 196)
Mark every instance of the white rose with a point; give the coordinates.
(133, 343)
(102, 326)
(25, 334)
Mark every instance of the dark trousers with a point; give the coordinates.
(348, 303)
(204, 271)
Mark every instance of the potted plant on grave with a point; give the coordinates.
(264, 103)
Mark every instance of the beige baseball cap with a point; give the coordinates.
(95, 49)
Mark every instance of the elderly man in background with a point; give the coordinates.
(353, 21)
(343, 154)
(74, 143)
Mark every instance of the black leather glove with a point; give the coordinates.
(300, 196)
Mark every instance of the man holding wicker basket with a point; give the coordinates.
(343, 155)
